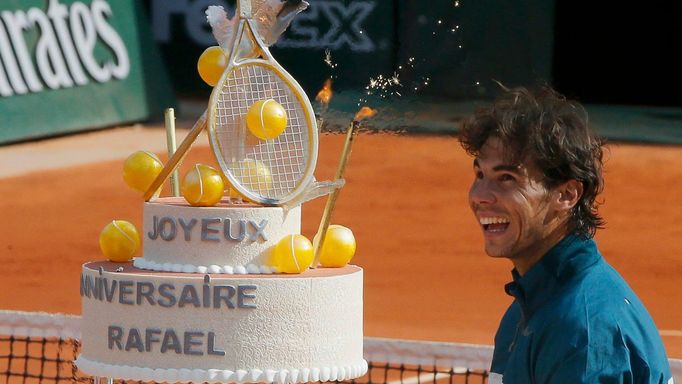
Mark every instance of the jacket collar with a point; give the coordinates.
(567, 259)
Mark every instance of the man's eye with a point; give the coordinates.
(506, 177)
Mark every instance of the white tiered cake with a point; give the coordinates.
(208, 325)
(207, 301)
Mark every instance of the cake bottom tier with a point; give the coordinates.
(175, 327)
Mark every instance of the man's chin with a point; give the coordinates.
(493, 250)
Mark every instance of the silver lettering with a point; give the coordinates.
(170, 235)
(243, 295)
(125, 288)
(187, 227)
(206, 232)
(227, 230)
(260, 228)
(191, 341)
(114, 335)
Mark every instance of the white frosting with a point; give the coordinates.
(143, 263)
(294, 375)
(184, 250)
(303, 328)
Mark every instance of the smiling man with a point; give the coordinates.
(538, 171)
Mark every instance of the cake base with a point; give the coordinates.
(179, 327)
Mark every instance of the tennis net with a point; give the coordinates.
(38, 347)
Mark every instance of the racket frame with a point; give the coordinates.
(247, 29)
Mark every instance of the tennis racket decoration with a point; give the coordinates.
(270, 171)
(275, 170)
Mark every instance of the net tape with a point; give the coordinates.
(41, 347)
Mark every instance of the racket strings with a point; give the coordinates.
(248, 158)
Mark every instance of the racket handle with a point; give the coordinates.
(174, 161)
(331, 201)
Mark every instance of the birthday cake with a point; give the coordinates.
(210, 307)
(224, 290)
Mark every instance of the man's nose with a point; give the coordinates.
(481, 193)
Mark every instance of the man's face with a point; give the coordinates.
(512, 206)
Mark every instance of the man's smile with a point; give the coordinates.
(494, 224)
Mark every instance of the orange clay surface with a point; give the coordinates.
(426, 275)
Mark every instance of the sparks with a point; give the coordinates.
(328, 58)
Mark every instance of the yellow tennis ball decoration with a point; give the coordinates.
(266, 119)
(292, 254)
(254, 175)
(140, 169)
(338, 248)
(119, 241)
(202, 186)
(211, 65)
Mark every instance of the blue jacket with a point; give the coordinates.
(575, 320)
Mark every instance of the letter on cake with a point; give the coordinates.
(190, 341)
(125, 288)
(149, 338)
(172, 231)
(227, 230)
(189, 296)
(187, 227)
(260, 228)
(154, 233)
(166, 291)
(170, 342)
(134, 340)
(242, 295)
(211, 346)
(114, 335)
(206, 232)
(218, 296)
(145, 290)
(109, 290)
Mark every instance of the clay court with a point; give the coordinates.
(426, 275)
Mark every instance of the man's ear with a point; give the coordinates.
(568, 194)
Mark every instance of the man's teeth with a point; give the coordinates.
(493, 220)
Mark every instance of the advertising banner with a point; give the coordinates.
(357, 34)
(69, 65)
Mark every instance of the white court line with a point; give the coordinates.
(82, 148)
(670, 332)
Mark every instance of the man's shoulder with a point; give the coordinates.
(598, 300)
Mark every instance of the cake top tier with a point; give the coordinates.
(225, 238)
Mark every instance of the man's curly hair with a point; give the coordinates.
(552, 132)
